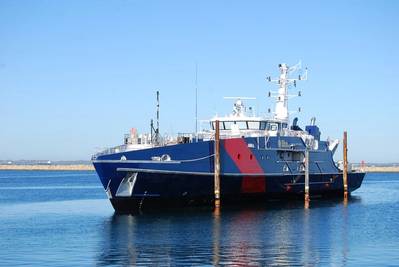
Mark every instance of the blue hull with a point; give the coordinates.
(251, 169)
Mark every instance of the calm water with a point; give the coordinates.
(63, 219)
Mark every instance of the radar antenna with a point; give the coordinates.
(238, 107)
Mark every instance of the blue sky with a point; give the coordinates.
(76, 75)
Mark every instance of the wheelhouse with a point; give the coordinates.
(250, 125)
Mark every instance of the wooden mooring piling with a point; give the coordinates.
(345, 170)
(307, 197)
(217, 165)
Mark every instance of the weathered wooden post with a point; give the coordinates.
(345, 171)
(307, 198)
(217, 164)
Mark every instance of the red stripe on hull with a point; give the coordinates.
(246, 162)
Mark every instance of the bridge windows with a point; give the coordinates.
(239, 125)
(242, 125)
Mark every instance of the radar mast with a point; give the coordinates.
(281, 111)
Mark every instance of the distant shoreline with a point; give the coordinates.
(378, 169)
(89, 167)
(50, 167)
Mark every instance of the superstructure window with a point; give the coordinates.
(273, 127)
(227, 125)
(253, 125)
(262, 125)
(242, 125)
(213, 124)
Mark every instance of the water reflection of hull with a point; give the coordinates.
(159, 191)
(284, 234)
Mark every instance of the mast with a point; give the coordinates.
(152, 131)
(196, 99)
(281, 111)
(157, 130)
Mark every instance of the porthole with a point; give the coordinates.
(251, 156)
(238, 156)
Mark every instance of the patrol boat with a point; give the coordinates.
(259, 158)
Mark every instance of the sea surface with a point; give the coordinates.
(62, 218)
